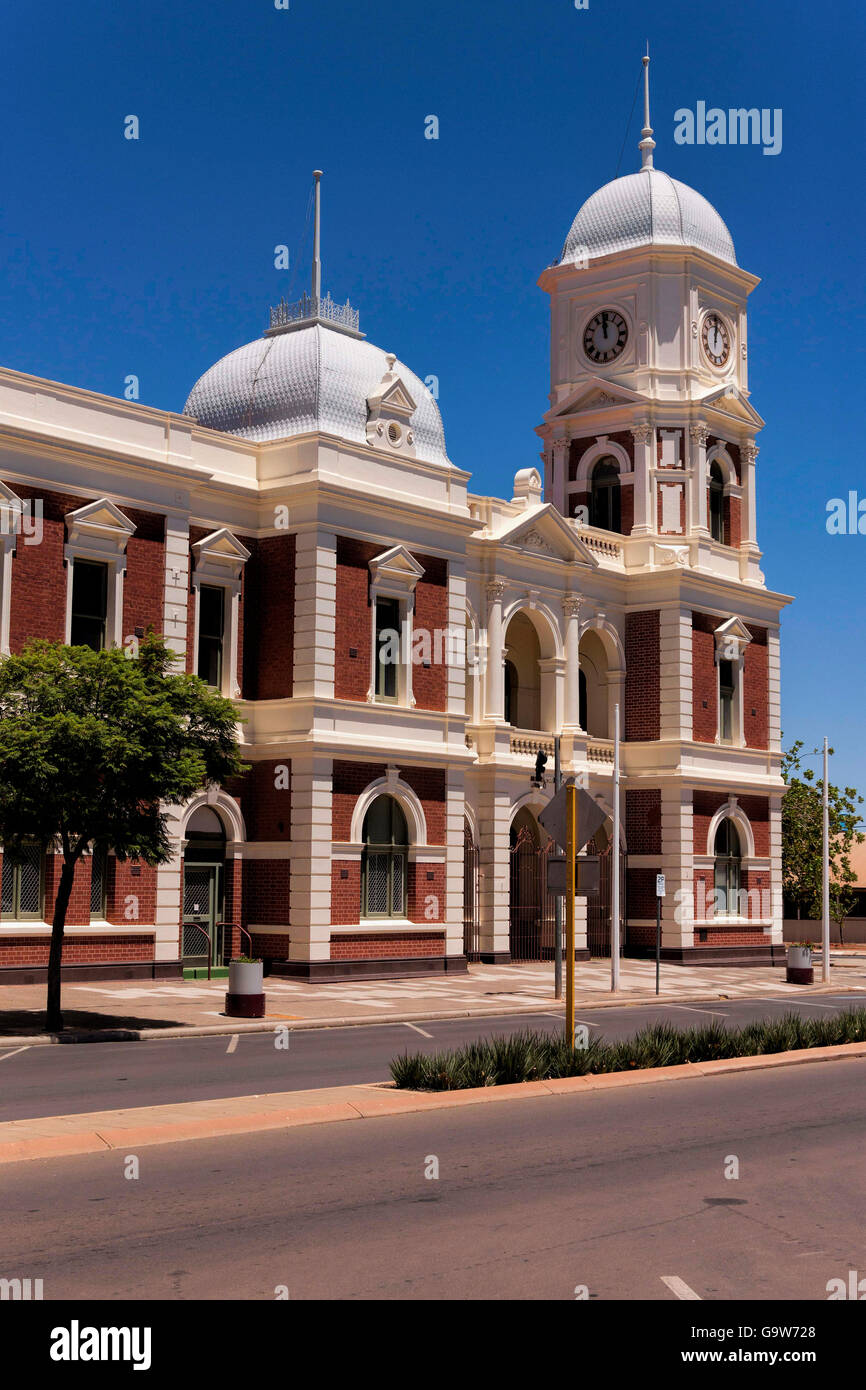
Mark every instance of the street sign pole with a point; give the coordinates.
(570, 854)
(825, 884)
(660, 892)
(557, 902)
(614, 867)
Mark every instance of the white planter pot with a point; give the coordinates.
(799, 958)
(246, 977)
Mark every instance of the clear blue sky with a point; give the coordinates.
(156, 257)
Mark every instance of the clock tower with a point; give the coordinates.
(649, 372)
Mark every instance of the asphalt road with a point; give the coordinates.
(61, 1080)
(617, 1191)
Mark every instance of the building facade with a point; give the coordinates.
(400, 648)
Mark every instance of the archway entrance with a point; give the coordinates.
(599, 906)
(203, 888)
(532, 909)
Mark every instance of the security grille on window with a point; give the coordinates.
(387, 648)
(89, 604)
(21, 891)
(727, 867)
(384, 865)
(727, 691)
(211, 629)
(98, 883)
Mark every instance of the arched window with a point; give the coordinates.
(511, 683)
(604, 508)
(383, 867)
(717, 504)
(727, 867)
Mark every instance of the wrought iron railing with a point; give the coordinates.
(308, 307)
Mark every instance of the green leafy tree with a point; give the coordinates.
(802, 839)
(93, 745)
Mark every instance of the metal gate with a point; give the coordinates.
(598, 906)
(532, 909)
(200, 900)
(471, 922)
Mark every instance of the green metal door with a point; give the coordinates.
(200, 904)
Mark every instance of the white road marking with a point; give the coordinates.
(233, 1042)
(710, 1012)
(417, 1030)
(679, 1288)
(586, 1023)
(14, 1053)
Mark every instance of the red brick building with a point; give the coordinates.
(400, 648)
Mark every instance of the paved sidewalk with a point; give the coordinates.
(153, 1009)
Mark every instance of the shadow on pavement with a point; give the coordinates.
(79, 1025)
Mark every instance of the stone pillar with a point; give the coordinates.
(644, 464)
(176, 594)
(315, 614)
(571, 614)
(678, 925)
(675, 660)
(748, 525)
(777, 914)
(774, 690)
(559, 455)
(310, 897)
(455, 649)
(699, 435)
(494, 675)
(494, 820)
(455, 800)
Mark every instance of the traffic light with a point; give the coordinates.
(540, 764)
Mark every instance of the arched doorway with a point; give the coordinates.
(599, 906)
(203, 888)
(385, 859)
(532, 912)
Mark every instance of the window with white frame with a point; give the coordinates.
(393, 577)
(732, 638)
(216, 594)
(95, 555)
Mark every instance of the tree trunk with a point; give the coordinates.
(64, 890)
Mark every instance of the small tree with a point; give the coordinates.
(803, 839)
(92, 746)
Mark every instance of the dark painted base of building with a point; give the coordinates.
(103, 970)
(331, 971)
(769, 954)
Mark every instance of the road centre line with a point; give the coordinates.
(679, 1288)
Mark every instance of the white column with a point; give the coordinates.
(310, 896)
(176, 595)
(315, 613)
(494, 676)
(776, 932)
(699, 435)
(774, 690)
(677, 864)
(455, 799)
(644, 462)
(675, 656)
(748, 525)
(494, 820)
(455, 645)
(571, 614)
(560, 451)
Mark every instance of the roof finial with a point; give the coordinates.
(647, 143)
(317, 263)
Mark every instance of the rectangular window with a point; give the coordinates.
(98, 883)
(387, 648)
(726, 701)
(89, 604)
(211, 627)
(21, 891)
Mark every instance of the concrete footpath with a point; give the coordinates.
(141, 1010)
(125, 1130)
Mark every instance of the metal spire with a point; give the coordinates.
(317, 262)
(647, 143)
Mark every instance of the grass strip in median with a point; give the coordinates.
(535, 1056)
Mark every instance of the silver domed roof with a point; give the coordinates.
(313, 378)
(646, 209)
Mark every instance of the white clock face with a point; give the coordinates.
(716, 340)
(605, 336)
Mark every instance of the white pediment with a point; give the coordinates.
(545, 532)
(101, 521)
(732, 637)
(392, 398)
(729, 400)
(593, 395)
(395, 571)
(220, 555)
